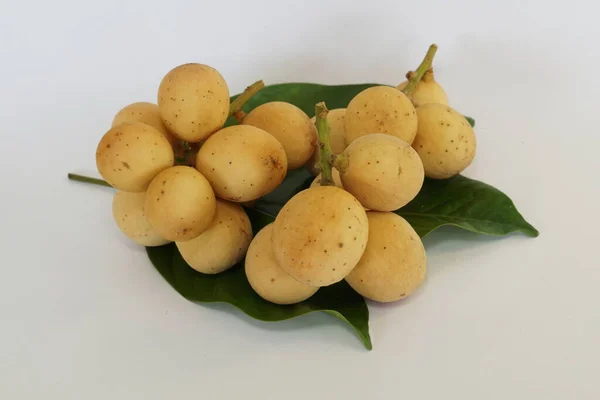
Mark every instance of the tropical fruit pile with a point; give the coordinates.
(182, 176)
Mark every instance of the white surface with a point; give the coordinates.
(84, 315)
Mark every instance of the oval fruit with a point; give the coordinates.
(180, 203)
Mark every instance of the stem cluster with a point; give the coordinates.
(415, 77)
(326, 156)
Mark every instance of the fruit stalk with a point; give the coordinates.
(326, 156)
(235, 109)
(416, 76)
(87, 179)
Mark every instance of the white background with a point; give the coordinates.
(83, 313)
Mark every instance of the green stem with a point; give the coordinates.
(235, 108)
(415, 77)
(87, 179)
(326, 156)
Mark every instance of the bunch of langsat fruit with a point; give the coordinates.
(182, 177)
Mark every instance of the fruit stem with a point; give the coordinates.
(235, 109)
(415, 77)
(87, 179)
(326, 157)
(341, 163)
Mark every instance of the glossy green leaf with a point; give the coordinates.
(466, 203)
(232, 287)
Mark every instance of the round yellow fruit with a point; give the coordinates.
(146, 113)
(194, 101)
(242, 163)
(223, 244)
(445, 141)
(319, 235)
(380, 109)
(128, 212)
(267, 278)
(427, 91)
(383, 172)
(131, 154)
(290, 126)
(394, 263)
(180, 203)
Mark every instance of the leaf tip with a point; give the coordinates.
(532, 232)
(471, 121)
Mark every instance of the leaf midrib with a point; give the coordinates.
(457, 218)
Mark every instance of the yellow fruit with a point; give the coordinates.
(146, 113)
(194, 101)
(242, 163)
(445, 141)
(426, 91)
(180, 204)
(130, 155)
(128, 212)
(290, 126)
(267, 278)
(223, 244)
(383, 172)
(380, 109)
(394, 263)
(319, 235)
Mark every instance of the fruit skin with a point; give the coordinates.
(445, 141)
(319, 235)
(131, 154)
(267, 278)
(394, 263)
(426, 91)
(335, 118)
(335, 174)
(194, 101)
(180, 203)
(223, 244)
(242, 163)
(380, 109)
(146, 113)
(128, 212)
(384, 173)
(290, 126)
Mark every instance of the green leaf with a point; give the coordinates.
(466, 203)
(471, 121)
(232, 287)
